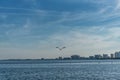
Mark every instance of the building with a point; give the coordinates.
(91, 57)
(105, 56)
(98, 56)
(117, 54)
(75, 57)
(42, 58)
(111, 55)
(66, 58)
(60, 58)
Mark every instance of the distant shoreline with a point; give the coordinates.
(55, 59)
(49, 61)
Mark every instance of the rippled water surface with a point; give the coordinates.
(60, 70)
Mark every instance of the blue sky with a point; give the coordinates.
(33, 28)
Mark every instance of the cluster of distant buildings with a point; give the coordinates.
(116, 55)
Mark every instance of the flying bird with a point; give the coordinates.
(61, 48)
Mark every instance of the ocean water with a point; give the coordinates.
(60, 70)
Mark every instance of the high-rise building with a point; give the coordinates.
(98, 56)
(111, 55)
(75, 57)
(117, 54)
(105, 56)
(91, 57)
(60, 58)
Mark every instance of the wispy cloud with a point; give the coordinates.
(39, 29)
(117, 7)
(84, 43)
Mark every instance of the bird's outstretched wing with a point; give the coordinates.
(61, 48)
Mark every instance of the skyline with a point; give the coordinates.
(34, 28)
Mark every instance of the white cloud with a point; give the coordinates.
(85, 44)
(28, 11)
(77, 42)
(16, 31)
(114, 32)
(117, 5)
(84, 41)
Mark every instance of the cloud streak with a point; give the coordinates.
(40, 30)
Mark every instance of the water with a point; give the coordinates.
(60, 70)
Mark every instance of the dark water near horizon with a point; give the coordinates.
(60, 70)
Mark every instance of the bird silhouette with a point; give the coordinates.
(61, 48)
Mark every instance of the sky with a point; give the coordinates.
(32, 29)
